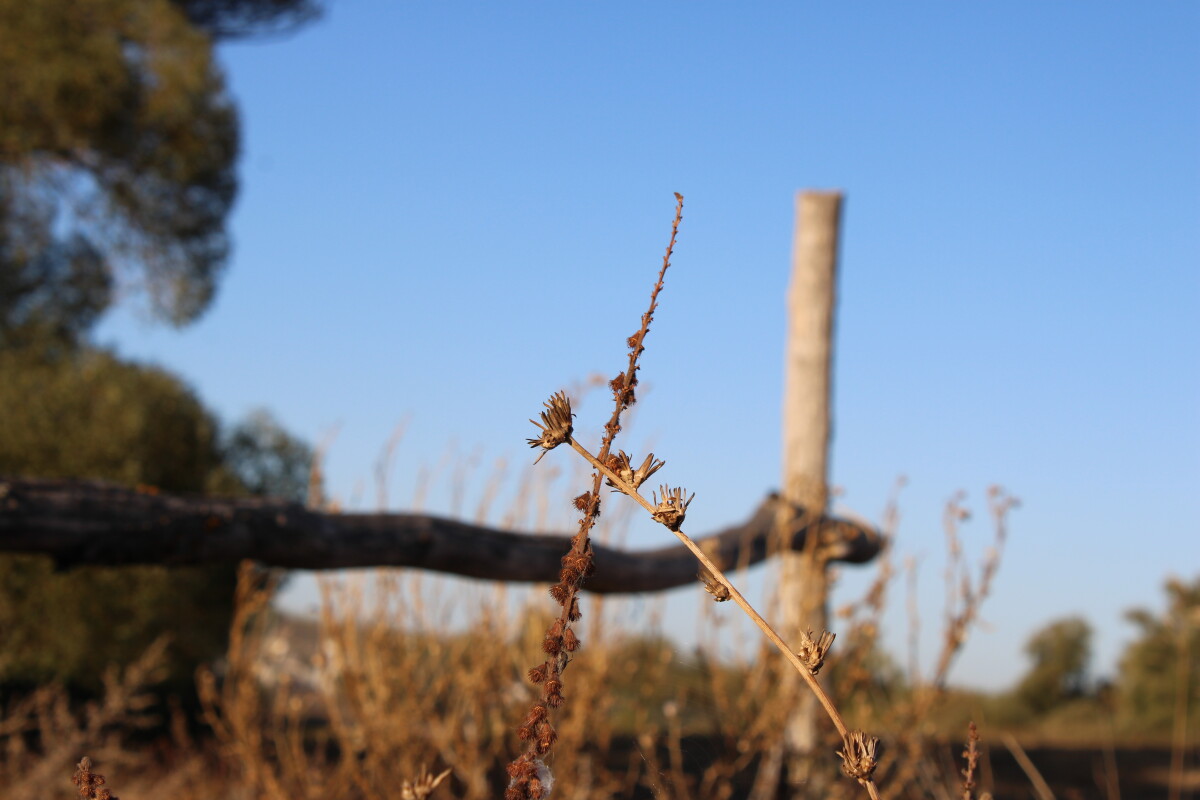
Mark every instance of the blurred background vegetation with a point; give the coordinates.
(118, 155)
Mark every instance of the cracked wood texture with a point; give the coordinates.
(78, 522)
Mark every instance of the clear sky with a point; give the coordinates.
(451, 210)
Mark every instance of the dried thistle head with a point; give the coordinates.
(671, 508)
(858, 758)
(422, 787)
(620, 464)
(812, 652)
(556, 424)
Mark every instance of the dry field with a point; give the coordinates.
(407, 686)
(382, 695)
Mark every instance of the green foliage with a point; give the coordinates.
(118, 143)
(117, 152)
(235, 19)
(266, 460)
(1160, 669)
(1061, 652)
(92, 415)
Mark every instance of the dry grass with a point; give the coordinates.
(404, 676)
(411, 686)
(668, 507)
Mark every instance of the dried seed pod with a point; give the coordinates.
(91, 784)
(553, 690)
(575, 560)
(672, 508)
(556, 424)
(552, 643)
(858, 758)
(812, 652)
(623, 466)
(546, 737)
(536, 715)
(718, 590)
(522, 768)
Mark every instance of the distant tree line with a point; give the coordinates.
(1158, 674)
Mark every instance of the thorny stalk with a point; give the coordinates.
(91, 784)
(530, 778)
(528, 771)
(971, 754)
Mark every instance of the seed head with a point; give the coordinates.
(620, 464)
(560, 593)
(553, 690)
(91, 784)
(672, 508)
(812, 652)
(531, 779)
(556, 424)
(858, 759)
(546, 737)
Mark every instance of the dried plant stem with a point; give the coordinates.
(1040, 787)
(529, 775)
(813, 684)
(971, 754)
(91, 784)
(530, 778)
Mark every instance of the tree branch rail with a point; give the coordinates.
(79, 523)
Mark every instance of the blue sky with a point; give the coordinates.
(450, 211)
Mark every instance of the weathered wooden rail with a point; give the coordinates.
(93, 523)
